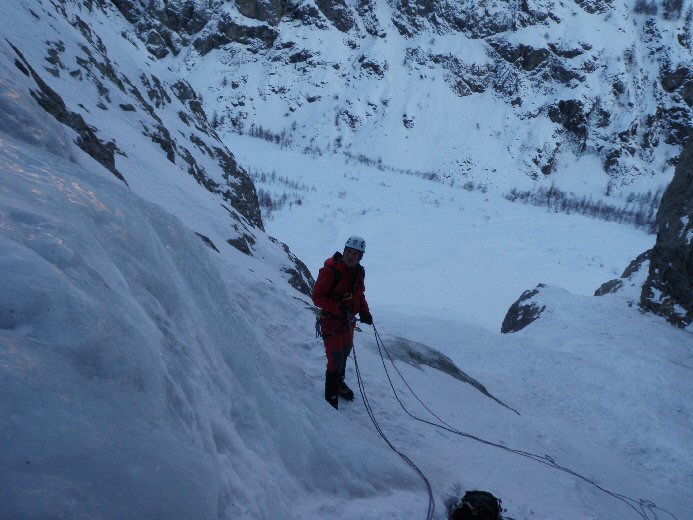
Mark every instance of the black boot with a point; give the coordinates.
(332, 389)
(345, 392)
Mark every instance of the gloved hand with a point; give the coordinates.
(366, 317)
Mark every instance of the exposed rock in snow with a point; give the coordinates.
(300, 277)
(417, 354)
(270, 11)
(523, 312)
(522, 55)
(668, 290)
(672, 80)
(228, 30)
(338, 13)
(52, 103)
(594, 6)
(158, 114)
(619, 87)
(632, 278)
(571, 116)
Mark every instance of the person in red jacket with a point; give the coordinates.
(340, 293)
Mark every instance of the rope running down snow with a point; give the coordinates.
(645, 508)
(371, 414)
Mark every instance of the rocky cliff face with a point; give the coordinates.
(668, 290)
(556, 80)
(133, 115)
(660, 280)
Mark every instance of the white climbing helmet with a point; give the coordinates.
(357, 243)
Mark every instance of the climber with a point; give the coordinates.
(339, 292)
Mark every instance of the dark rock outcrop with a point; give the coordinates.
(523, 56)
(595, 6)
(306, 14)
(184, 17)
(464, 16)
(686, 92)
(240, 192)
(372, 66)
(299, 274)
(238, 188)
(164, 26)
(571, 116)
(541, 66)
(338, 13)
(51, 102)
(672, 80)
(300, 56)
(269, 11)
(560, 49)
(523, 312)
(464, 79)
(676, 123)
(207, 241)
(668, 290)
(228, 30)
(243, 243)
(367, 11)
(609, 287)
(615, 285)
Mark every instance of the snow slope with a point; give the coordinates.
(599, 385)
(145, 375)
(432, 248)
(133, 382)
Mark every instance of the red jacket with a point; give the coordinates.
(334, 298)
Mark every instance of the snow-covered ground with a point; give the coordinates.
(145, 375)
(600, 386)
(434, 250)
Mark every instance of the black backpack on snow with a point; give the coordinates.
(476, 505)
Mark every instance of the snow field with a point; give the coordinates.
(593, 378)
(435, 249)
(143, 375)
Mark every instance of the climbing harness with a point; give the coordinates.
(643, 507)
(336, 277)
